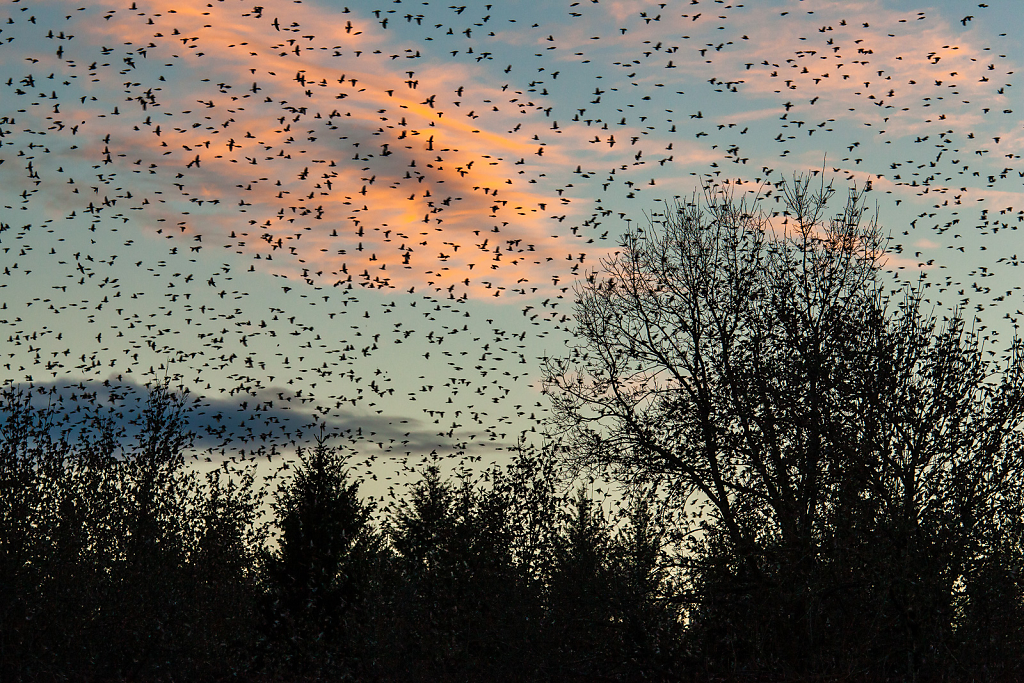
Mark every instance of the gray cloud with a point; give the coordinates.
(268, 421)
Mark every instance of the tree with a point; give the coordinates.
(27, 453)
(580, 601)
(644, 594)
(425, 534)
(96, 533)
(845, 461)
(224, 589)
(156, 532)
(466, 600)
(320, 579)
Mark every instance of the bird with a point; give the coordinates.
(389, 215)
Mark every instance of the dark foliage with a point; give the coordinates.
(319, 583)
(113, 566)
(120, 562)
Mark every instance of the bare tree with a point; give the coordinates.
(825, 442)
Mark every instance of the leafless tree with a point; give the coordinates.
(824, 440)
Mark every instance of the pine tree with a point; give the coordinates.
(320, 578)
(645, 598)
(580, 610)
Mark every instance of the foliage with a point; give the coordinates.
(121, 563)
(319, 582)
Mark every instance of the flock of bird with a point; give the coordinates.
(372, 217)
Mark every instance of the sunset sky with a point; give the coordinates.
(375, 214)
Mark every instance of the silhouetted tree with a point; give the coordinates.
(26, 440)
(156, 531)
(320, 578)
(433, 537)
(225, 568)
(580, 610)
(645, 595)
(474, 557)
(97, 534)
(846, 462)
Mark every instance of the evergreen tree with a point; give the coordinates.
(225, 582)
(644, 596)
(464, 611)
(428, 544)
(580, 610)
(320, 579)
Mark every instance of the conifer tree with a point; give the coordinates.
(319, 579)
(580, 611)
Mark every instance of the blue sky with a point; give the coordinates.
(373, 215)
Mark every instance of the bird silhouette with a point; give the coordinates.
(372, 219)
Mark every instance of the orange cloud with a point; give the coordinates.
(336, 169)
(334, 151)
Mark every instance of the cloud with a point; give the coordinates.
(271, 420)
(365, 174)
(330, 149)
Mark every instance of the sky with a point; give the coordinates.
(373, 216)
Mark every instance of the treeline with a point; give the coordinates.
(118, 562)
(821, 482)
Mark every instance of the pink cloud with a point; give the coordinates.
(337, 153)
(339, 169)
